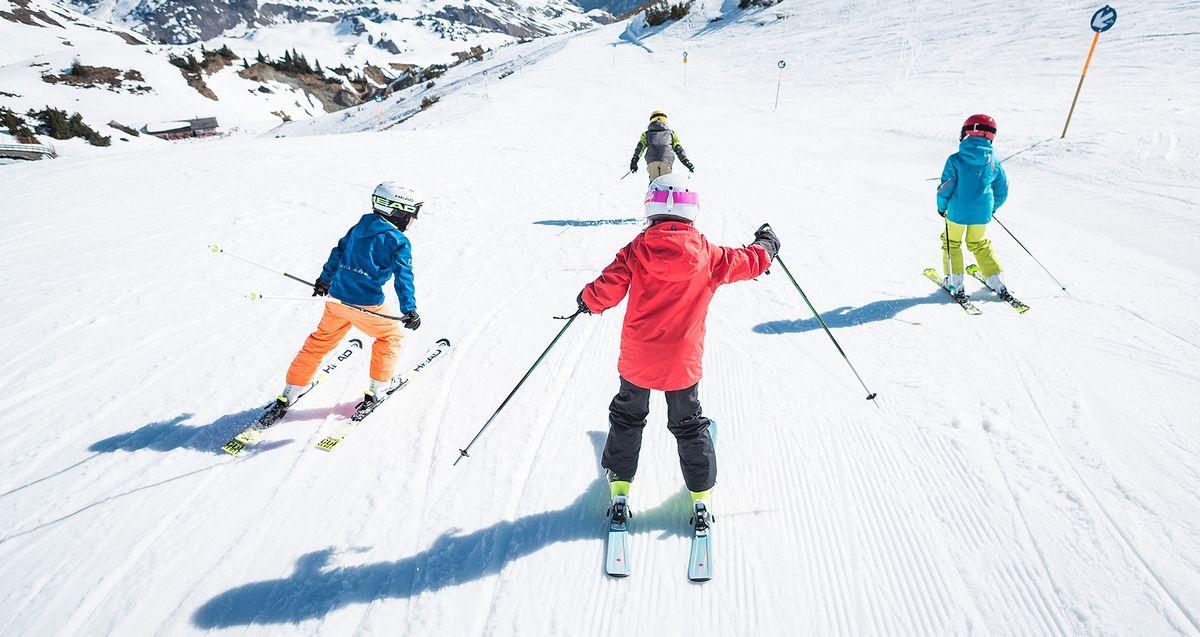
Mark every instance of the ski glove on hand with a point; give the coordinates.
(633, 165)
(411, 320)
(582, 306)
(767, 238)
(320, 288)
(690, 166)
(942, 213)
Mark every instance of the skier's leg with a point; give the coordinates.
(952, 262)
(385, 352)
(981, 247)
(626, 421)
(329, 333)
(952, 258)
(697, 457)
(656, 169)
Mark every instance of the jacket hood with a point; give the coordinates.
(372, 224)
(976, 150)
(671, 251)
(657, 126)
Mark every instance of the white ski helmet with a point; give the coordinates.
(396, 202)
(672, 196)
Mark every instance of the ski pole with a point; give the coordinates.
(1035, 259)
(218, 249)
(870, 394)
(463, 452)
(258, 296)
(627, 173)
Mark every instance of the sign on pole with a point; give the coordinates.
(1102, 20)
(782, 65)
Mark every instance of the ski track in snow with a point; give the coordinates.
(1018, 474)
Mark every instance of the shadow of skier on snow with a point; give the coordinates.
(586, 223)
(169, 435)
(847, 316)
(314, 590)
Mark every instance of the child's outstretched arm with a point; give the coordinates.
(999, 188)
(335, 258)
(610, 287)
(405, 290)
(947, 185)
(730, 265)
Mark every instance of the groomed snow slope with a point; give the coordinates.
(1032, 474)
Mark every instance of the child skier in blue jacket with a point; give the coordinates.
(972, 188)
(370, 254)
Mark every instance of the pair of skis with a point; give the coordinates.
(965, 301)
(274, 412)
(616, 548)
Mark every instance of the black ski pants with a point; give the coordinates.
(627, 419)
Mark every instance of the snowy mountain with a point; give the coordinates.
(1031, 474)
(189, 21)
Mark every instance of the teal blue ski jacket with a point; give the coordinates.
(973, 183)
(372, 252)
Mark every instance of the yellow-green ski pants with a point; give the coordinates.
(952, 263)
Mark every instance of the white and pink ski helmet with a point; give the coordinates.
(672, 196)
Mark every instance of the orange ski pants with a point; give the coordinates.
(335, 322)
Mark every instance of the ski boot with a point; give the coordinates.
(279, 407)
(378, 392)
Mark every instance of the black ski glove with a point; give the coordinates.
(411, 320)
(320, 288)
(767, 238)
(690, 166)
(633, 165)
(582, 306)
(942, 213)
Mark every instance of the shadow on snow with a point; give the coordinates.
(847, 316)
(169, 435)
(313, 590)
(585, 223)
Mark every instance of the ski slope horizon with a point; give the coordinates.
(1019, 474)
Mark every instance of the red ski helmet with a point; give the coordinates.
(979, 125)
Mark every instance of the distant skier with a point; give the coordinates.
(661, 145)
(374, 250)
(972, 188)
(670, 272)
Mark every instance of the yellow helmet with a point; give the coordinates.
(658, 116)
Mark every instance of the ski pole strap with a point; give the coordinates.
(463, 452)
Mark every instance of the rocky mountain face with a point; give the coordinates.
(189, 21)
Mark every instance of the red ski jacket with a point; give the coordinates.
(671, 272)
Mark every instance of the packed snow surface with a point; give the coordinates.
(1020, 474)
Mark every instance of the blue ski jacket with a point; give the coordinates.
(362, 262)
(973, 183)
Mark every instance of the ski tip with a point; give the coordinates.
(445, 342)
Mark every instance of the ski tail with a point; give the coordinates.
(275, 412)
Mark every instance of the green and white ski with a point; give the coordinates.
(962, 300)
(1005, 296)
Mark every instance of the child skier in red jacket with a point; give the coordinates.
(670, 272)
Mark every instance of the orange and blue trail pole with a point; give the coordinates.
(1102, 21)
